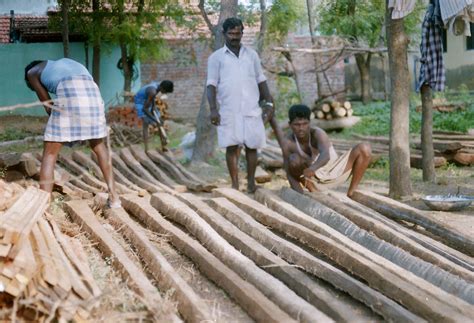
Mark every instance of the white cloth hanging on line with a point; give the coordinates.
(401, 8)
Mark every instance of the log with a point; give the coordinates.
(459, 238)
(339, 112)
(247, 296)
(120, 165)
(84, 160)
(190, 305)
(22, 142)
(81, 213)
(82, 173)
(315, 293)
(416, 161)
(262, 176)
(349, 113)
(451, 254)
(325, 107)
(335, 105)
(336, 123)
(319, 115)
(24, 164)
(382, 305)
(347, 105)
(142, 157)
(464, 157)
(340, 203)
(187, 173)
(429, 272)
(378, 272)
(275, 290)
(176, 173)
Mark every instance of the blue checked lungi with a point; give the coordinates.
(78, 112)
(432, 65)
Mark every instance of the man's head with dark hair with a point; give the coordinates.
(29, 67)
(300, 111)
(231, 23)
(166, 86)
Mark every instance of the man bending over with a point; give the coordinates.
(310, 159)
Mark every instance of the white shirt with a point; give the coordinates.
(236, 80)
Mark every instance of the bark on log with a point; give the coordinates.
(247, 296)
(462, 241)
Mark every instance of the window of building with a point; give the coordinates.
(470, 40)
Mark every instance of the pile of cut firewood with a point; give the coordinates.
(43, 273)
(332, 109)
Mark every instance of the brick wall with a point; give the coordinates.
(188, 68)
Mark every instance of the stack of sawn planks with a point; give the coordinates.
(42, 270)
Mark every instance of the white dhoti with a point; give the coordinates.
(236, 129)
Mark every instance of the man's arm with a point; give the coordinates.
(211, 98)
(150, 103)
(41, 92)
(323, 147)
(268, 108)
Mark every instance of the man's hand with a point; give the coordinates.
(267, 114)
(215, 117)
(308, 173)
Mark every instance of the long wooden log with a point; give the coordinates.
(257, 305)
(445, 280)
(82, 173)
(459, 238)
(317, 294)
(392, 280)
(274, 289)
(176, 173)
(118, 176)
(132, 177)
(435, 246)
(185, 172)
(81, 213)
(440, 145)
(191, 307)
(82, 159)
(387, 233)
(162, 177)
(378, 302)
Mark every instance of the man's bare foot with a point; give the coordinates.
(235, 186)
(251, 188)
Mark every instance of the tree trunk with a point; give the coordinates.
(319, 83)
(205, 143)
(263, 26)
(127, 74)
(65, 29)
(429, 174)
(399, 154)
(363, 64)
(96, 43)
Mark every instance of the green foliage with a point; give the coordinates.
(362, 20)
(12, 133)
(287, 96)
(283, 16)
(376, 119)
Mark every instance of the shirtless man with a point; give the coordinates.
(310, 159)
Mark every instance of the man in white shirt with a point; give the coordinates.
(235, 80)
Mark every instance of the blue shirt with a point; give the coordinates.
(141, 96)
(55, 71)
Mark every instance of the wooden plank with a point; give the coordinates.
(257, 305)
(136, 279)
(190, 305)
(378, 302)
(274, 289)
(460, 238)
(443, 279)
(162, 177)
(78, 270)
(186, 172)
(386, 232)
(18, 221)
(392, 280)
(307, 288)
(43, 257)
(84, 160)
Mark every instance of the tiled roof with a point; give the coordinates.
(25, 25)
(4, 29)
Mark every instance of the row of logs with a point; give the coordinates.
(331, 109)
